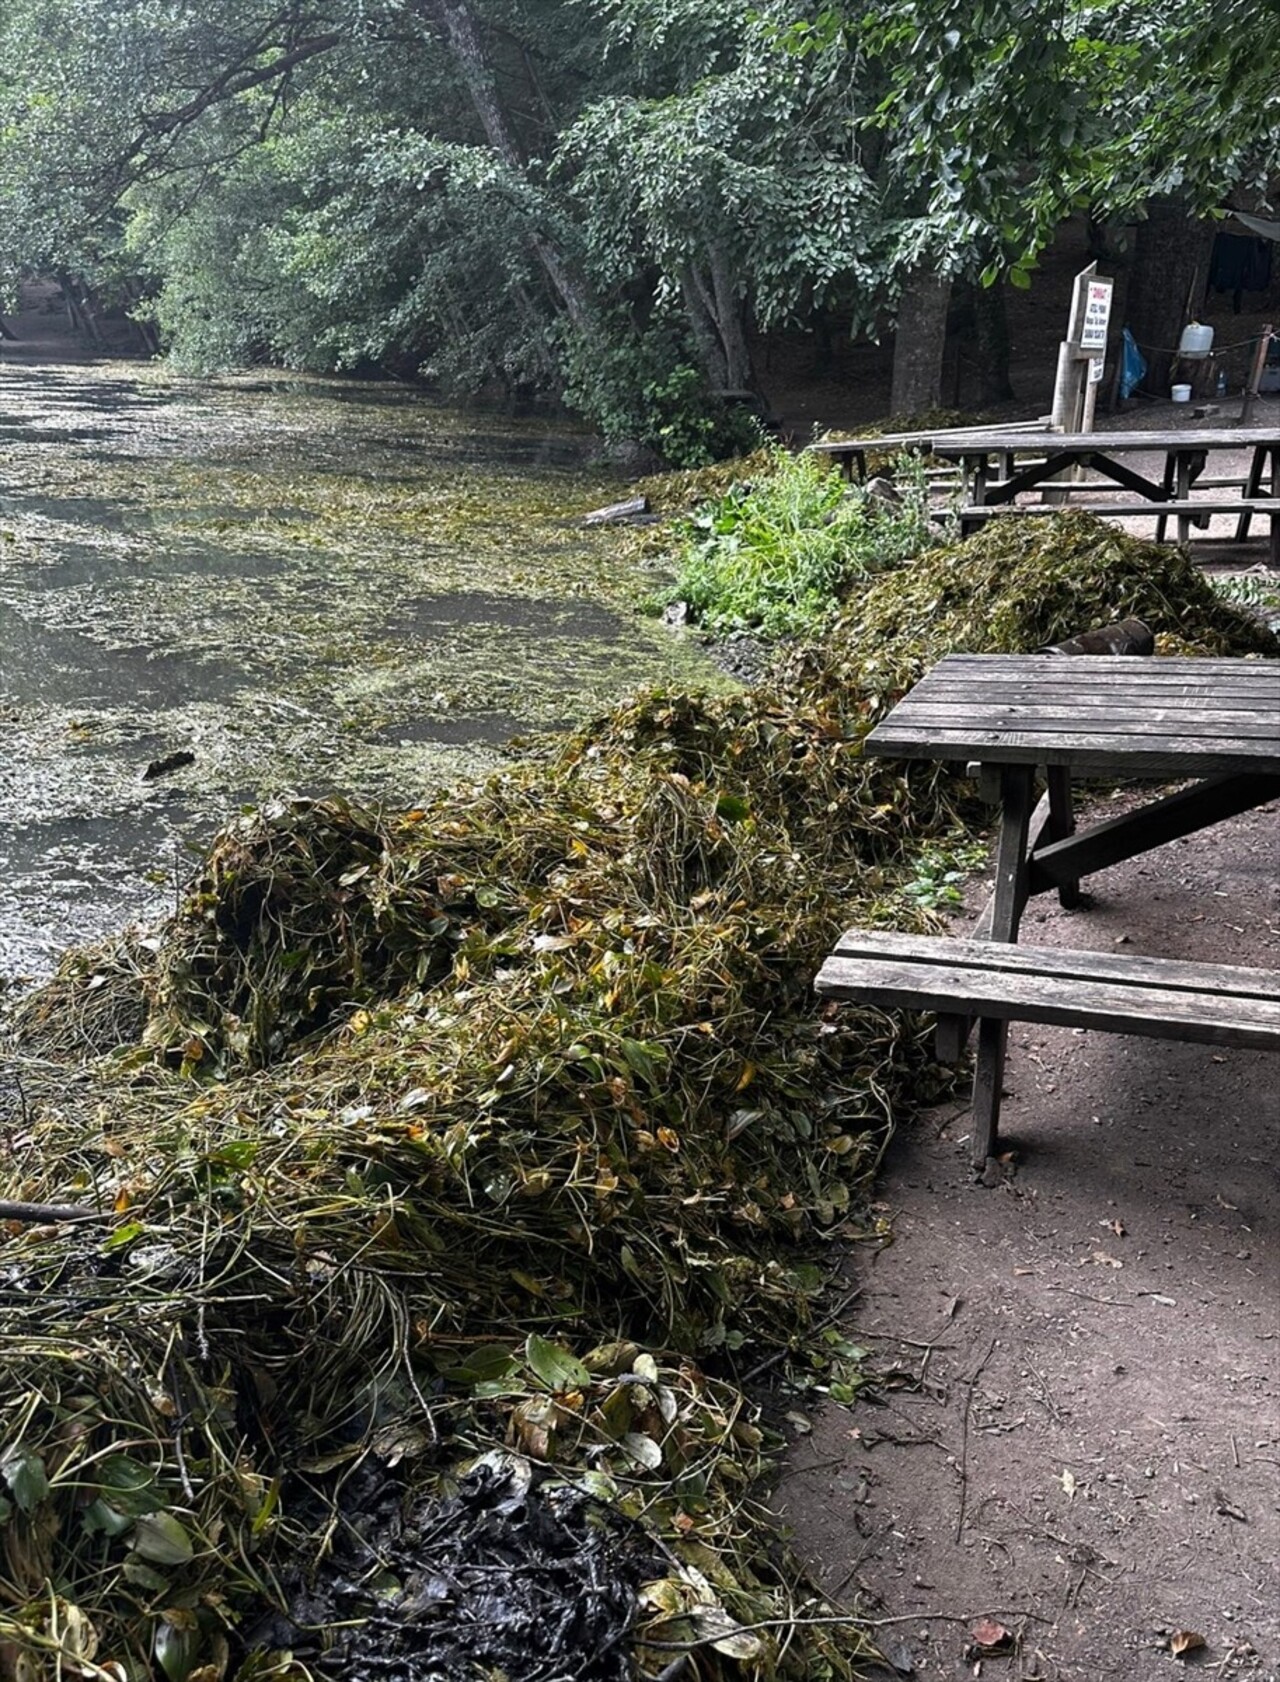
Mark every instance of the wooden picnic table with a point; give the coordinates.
(1214, 721)
(988, 462)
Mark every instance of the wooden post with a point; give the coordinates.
(1255, 373)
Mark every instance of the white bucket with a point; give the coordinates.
(1181, 393)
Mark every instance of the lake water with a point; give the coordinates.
(310, 586)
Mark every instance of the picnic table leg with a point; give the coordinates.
(1062, 823)
(1252, 485)
(1167, 486)
(1016, 788)
(1182, 493)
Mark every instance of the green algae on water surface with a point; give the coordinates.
(310, 586)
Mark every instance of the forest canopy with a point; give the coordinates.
(602, 200)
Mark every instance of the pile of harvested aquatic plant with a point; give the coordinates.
(502, 1123)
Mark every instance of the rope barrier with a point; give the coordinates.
(1218, 350)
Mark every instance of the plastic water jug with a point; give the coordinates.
(1196, 340)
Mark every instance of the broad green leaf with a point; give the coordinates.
(176, 1650)
(162, 1539)
(25, 1475)
(554, 1365)
(128, 1485)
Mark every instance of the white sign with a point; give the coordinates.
(1097, 313)
(1097, 367)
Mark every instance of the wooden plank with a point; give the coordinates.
(1229, 698)
(1015, 701)
(1167, 441)
(1100, 751)
(1122, 671)
(1152, 825)
(1112, 668)
(1155, 506)
(1112, 717)
(834, 446)
(1208, 1017)
(1004, 490)
(1062, 825)
(1114, 968)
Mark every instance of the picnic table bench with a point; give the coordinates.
(1215, 721)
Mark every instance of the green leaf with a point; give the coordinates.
(236, 1153)
(144, 1577)
(733, 808)
(484, 1365)
(101, 1519)
(160, 1538)
(129, 1485)
(176, 1650)
(554, 1365)
(642, 1059)
(25, 1474)
(124, 1235)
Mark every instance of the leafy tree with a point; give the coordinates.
(603, 200)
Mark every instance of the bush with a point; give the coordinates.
(778, 554)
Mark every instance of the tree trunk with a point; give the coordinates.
(458, 23)
(991, 343)
(1166, 283)
(715, 315)
(919, 343)
(739, 375)
(699, 308)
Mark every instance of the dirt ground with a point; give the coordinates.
(1076, 1430)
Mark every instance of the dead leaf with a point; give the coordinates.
(988, 1638)
(1114, 1226)
(1068, 1482)
(1100, 1258)
(1185, 1641)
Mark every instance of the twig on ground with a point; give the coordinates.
(963, 1464)
(49, 1212)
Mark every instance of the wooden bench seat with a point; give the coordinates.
(1138, 509)
(1185, 512)
(1161, 998)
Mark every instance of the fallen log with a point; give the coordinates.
(617, 511)
(1130, 636)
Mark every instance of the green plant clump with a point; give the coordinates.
(1021, 584)
(776, 554)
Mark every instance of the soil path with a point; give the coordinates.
(1077, 1430)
